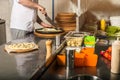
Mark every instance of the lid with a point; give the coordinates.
(116, 42)
(2, 21)
(115, 17)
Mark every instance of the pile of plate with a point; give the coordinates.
(66, 20)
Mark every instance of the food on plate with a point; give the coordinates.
(49, 30)
(21, 47)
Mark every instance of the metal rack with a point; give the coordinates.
(78, 15)
(53, 10)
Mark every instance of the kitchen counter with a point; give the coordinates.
(32, 65)
(102, 70)
(21, 66)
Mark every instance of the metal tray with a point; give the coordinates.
(40, 30)
(73, 34)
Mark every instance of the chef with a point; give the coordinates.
(23, 17)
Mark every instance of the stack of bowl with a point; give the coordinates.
(66, 20)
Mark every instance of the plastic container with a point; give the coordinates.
(115, 20)
(85, 58)
(115, 60)
(103, 24)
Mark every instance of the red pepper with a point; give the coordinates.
(102, 52)
(106, 54)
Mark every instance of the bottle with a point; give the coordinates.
(115, 60)
(48, 49)
(102, 24)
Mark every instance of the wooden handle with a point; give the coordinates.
(48, 48)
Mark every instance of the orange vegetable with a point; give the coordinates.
(107, 55)
(61, 59)
(109, 49)
(79, 59)
(91, 60)
(88, 50)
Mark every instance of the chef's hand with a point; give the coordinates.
(45, 25)
(42, 9)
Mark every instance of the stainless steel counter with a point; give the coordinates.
(102, 70)
(32, 65)
(22, 66)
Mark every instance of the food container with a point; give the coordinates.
(115, 20)
(75, 39)
(74, 42)
(85, 57)
(79, 60)
(115, 60)
(89, 41)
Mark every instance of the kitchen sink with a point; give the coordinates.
(84, 77)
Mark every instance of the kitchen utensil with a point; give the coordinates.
(41, 35)
(48, 48)
(50, 20)
(51, 31)
(115, 60)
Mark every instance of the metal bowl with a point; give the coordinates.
(84, 77)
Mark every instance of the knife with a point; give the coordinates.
(50, 20)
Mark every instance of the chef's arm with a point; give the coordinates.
(39, 21)
(31, 4)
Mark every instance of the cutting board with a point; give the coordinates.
(48, 35)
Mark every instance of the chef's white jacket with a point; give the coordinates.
(22, 17)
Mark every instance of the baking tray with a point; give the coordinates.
(40, 30)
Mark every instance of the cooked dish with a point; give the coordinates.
(21, 47)
(49, 30)
(75, 42)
